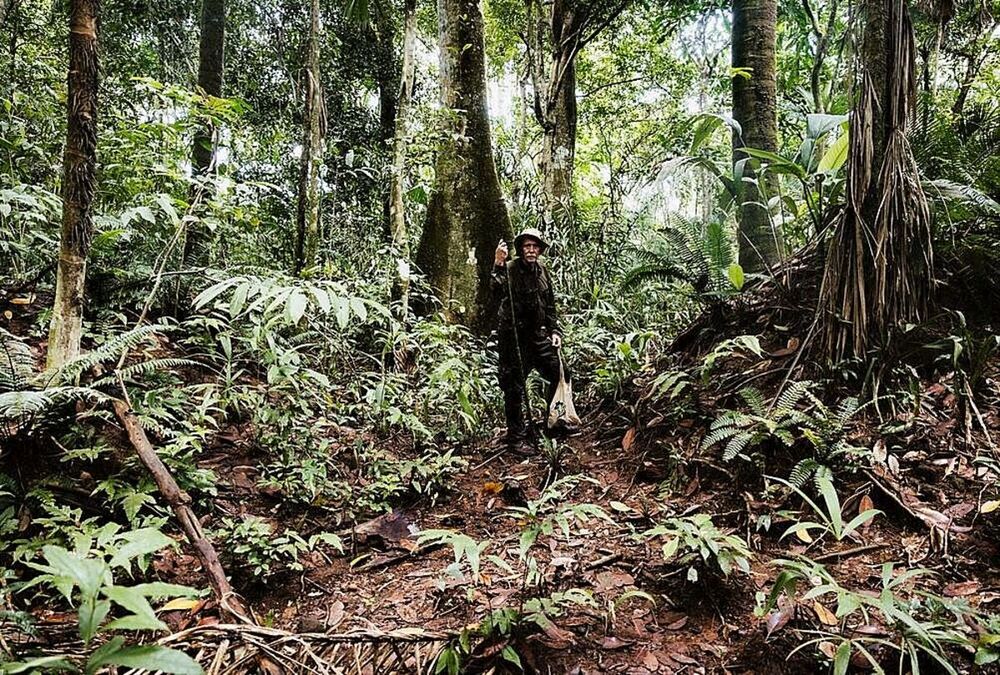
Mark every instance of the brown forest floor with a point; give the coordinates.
(645, 464)
(656, 470)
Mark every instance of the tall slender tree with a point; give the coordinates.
(557, 31)
(79, 182)
(307, 216)
(397, 210)
(755, 109)
(211, 74)
(467, 214)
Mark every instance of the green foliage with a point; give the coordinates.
(542, 516)
(831, 518)
(696, 543)
(697, 254)
(745, 432)
(84, 576)
(919, 624)
(262, 551)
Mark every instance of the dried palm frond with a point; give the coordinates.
(235, 649)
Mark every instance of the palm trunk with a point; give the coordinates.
(755, 108)
(79, 181)
(879, 266)
(308, 211)
(467, 215)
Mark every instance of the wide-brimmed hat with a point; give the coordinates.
(530, 233)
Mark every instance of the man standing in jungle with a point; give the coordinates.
(528, 330)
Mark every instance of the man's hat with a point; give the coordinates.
(530, 233)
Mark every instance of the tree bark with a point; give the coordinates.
(557, 32)
(467, 215)
(755, 109)
(79, 181)
(308, 211)
(211, 74)
(397, 207)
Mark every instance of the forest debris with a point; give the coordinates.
(825, 616)
(778, 618)
(392, 528)
(601, 562)
(960, 589)
(914, 507)
(179, 502)
(611, 643)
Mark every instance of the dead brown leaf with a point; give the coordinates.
(611, 643)
(629, 439)
(677, 625)
(960, 589)
(826, 617)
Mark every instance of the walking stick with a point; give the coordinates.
(522, 375)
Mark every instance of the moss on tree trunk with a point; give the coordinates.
(467, 215)
(755, 108)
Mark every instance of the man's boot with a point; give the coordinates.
(514, 412)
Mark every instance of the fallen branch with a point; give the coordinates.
(180, 502)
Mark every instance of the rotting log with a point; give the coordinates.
(179, 502)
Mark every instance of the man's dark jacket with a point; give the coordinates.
(534, 300)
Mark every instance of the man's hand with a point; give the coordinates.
(556, 340)
(501, 255)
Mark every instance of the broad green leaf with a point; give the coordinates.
(358, 307)
(818, 124)
(138, 543)
(736, 276)
(842, 659)
(32, 666)
(296, 306)
(92, 613)
(835, 155)
(239, 299)
(212, 292)
(150, 657)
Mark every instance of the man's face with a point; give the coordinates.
(530, 250)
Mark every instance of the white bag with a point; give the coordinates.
(562, 412)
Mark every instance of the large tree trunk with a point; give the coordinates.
(211, 69)
(755, 108)
(308, 212)
(79, 179)
(467, 215)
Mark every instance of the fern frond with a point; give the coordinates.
(146, 367)
(802, 471)
(736, 446)
(16, 362)
(792, 396)
(755, 400)
(111, 349)
(719, 435)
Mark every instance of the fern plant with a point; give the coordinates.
(743, 431)
(694, 252)
(29, 399)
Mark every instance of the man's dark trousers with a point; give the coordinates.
(538, 354)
